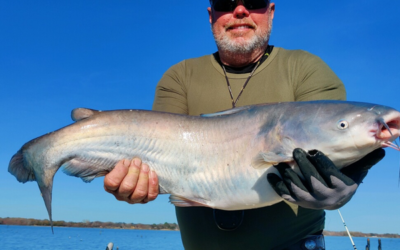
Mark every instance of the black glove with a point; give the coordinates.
(324, 185)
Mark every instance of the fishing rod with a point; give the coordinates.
(351, 239)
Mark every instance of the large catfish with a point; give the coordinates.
(218, 160)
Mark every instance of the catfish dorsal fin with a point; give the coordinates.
(82, 113)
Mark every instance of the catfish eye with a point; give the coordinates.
(342, 124)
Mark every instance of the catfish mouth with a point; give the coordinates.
(389, 130)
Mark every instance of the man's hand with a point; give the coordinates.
(132, 181)
(324, 185)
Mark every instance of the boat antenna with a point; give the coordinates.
(351, 239)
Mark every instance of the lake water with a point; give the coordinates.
(26, 237)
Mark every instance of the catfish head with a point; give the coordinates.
(344, 131)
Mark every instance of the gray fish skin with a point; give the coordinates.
(218, 160)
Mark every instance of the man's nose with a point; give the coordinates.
(240, 11)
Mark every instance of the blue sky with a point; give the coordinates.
(59, 55)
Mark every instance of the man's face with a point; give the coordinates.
(242, 30)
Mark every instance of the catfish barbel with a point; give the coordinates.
(219, 160)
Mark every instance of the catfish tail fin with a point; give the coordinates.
(17, 168)
(21, 169)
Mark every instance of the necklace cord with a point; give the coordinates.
(245, 84)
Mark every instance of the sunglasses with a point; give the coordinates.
(230, 5)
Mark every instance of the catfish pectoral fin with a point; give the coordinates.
(267, 159)
(259, 162)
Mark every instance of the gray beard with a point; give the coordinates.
(224, 43)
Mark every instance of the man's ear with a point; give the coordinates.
(210, 14)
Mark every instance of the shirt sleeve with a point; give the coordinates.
(316, 81)
(171, 94)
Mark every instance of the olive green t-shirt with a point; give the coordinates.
(198, 86)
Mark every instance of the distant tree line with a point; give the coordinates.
(86, 223)
(359, 234)
(160, 226)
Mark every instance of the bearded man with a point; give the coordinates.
(247, 70)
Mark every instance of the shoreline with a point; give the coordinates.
(8, 221)
(88, 224)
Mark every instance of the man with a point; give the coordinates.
(245, 71)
